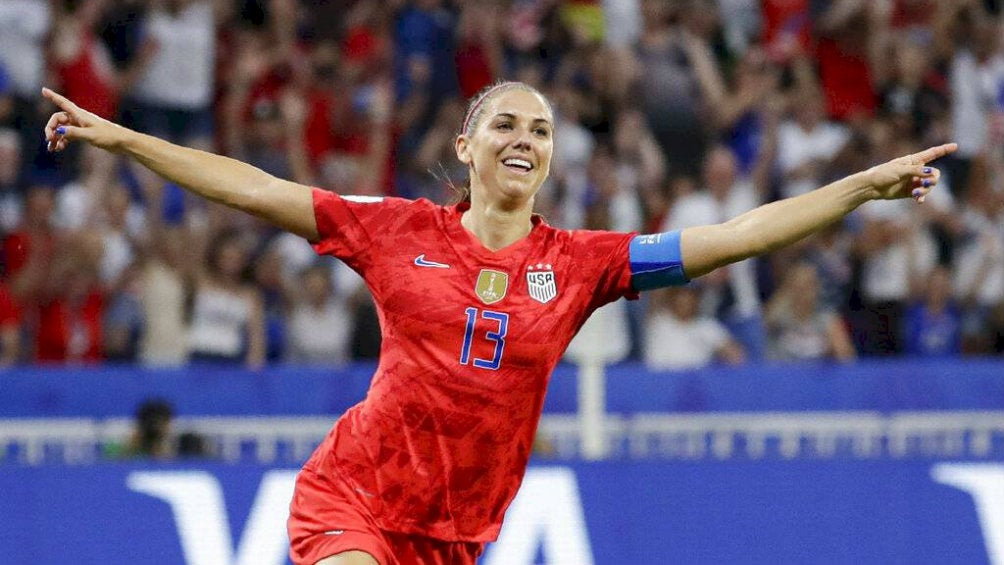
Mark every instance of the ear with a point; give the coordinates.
(463, 148)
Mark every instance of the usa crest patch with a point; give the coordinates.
(491, 286)
(540, 283)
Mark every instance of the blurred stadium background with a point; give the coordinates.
(166, 365)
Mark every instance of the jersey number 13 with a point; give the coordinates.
(501, 319)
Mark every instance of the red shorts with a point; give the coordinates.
(327, 518)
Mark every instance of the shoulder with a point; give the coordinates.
(711, 329)
(594, 251)
(365, 204)
(591, 238)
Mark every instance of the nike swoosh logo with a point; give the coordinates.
(421, 261)
(334, 532)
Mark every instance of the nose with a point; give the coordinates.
(523, 141)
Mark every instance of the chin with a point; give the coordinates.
(518, 191)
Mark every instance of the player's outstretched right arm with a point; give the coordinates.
(238, 185)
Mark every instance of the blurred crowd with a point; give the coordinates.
(669, 113)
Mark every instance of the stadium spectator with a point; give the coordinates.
(10, 328)
(80, 203)
(81, 63)
(11, 193)
(850, 37)
(749, 110)
(173, 93)
(29, 247)
(975, 77)
(321, 321)
(787, 28)
(894, 247)
(913, 95)
(424, 66)
(165, 281)
(934, 321)
(151, 435)
(678, 337)
(24, 27)
(669, 88)
(71, 305)
(807, 143)
(479, 57)
(276, 299)
(800, 326)
(428, 172)
(829, 252)
(734, 296)
(227, 322)
(124, 321)
(979, 266)
(7, 109)
(154, 437)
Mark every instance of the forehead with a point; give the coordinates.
(521, 103)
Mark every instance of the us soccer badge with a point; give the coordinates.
(540, 283)
(491, 286)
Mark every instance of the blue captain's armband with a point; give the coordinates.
(656, 261)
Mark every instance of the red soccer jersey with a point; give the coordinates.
(470, 337)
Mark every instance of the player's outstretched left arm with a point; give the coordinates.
(775, 225)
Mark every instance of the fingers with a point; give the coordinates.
(57, 119)
(55, 128)
(65, 125)
(932, 153)
(924, 181)
(63, 102)
(58, 132)
(57, 145)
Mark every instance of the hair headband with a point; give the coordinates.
(478, 102)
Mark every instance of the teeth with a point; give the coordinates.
(518, 163)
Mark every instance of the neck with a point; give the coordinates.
(803, 311)
(936, 306)
(497, 226)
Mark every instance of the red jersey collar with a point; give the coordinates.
(462, 239)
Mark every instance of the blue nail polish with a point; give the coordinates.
(926, 182)
(61, 130)
(927, 170)
(916, 192)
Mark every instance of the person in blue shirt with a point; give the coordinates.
(934, 323)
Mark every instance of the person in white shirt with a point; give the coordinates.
(24, 29)
(174, 93)
(320, 324)
(677, 337)
(895, 247)
(806, 144)
(979, 259)
(800, 326)
(735, 295)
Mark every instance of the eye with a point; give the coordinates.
(543, 132)
(505, 126)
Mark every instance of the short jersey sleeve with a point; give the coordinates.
(351, 227)
(604, 256)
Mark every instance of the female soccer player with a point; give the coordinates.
(477, 302)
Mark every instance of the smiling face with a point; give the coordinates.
(507, 146)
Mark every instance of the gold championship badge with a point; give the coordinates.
(491, 286)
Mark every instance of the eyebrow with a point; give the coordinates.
(513, 117)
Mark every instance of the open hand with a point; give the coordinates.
(73, 122)
(908, 175)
